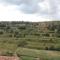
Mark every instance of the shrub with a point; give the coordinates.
(22, 27)
(46, 48)
(10, 35)
(22, 44)
(7, 53)
(51, 40)
(51, 47)
(8, 27)
(1, 32)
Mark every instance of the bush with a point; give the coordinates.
(8, 27)
(22, 44)
(10, 35)
(1, 32)
(46, 48)
(51, 47)
(7, 53)
(51, 40)
(47, 34)
(22, 27)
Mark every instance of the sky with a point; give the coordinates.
(29, 10)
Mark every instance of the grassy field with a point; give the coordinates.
(33, 54)
(30, 41)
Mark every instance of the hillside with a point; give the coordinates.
(30, 40)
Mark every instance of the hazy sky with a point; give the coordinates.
(29, 10)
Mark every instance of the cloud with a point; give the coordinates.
(16, 2)
(27, 6)
(9, 13)
(46, 8)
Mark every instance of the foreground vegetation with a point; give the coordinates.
(30, 40)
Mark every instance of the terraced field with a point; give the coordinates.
(30, 40)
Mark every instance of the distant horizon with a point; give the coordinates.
(31, 21)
